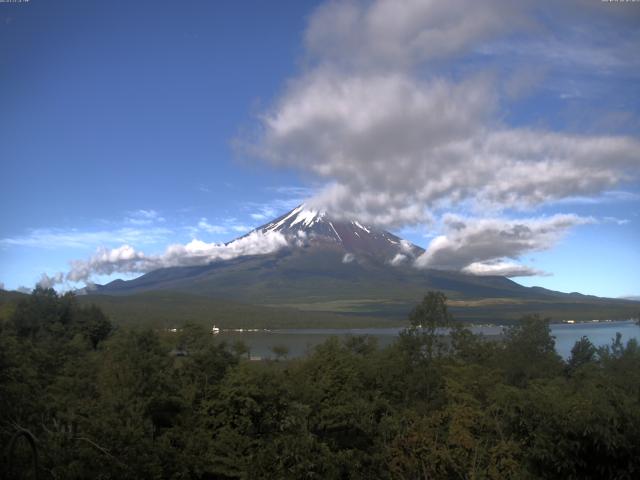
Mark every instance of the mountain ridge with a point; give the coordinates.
(305, 226)
(347, 268)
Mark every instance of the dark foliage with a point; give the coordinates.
(92, 402)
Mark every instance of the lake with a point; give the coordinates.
(301, 342)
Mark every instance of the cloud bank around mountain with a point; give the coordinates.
(127, 260)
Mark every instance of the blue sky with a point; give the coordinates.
(152, 124)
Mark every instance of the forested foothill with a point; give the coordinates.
(80, 398)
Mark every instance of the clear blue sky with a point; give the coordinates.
(119, 120)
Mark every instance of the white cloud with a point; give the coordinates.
(144, 217)
(126, 259)
(150, 214)
(481, 245)
(225, 226)
(288, 197)
(348, 258)
(401, 33)
(23, 289)
(241, 228)
(292, 193)
(205, 226)
(138, 227)
(524, 80)
(407, 251)
(616, 220)
(391, 160)
(407, 247)
(611, 196)
(582, 51)
(398, 259)
(1, 285)
(265, 212)
(75, 238)
(502, 268)
(397, 141)
(123, 259)
(49, 282)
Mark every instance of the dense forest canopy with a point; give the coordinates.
(80, 399)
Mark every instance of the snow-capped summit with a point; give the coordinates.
(305, 226)
(300, 216)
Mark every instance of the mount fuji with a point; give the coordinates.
(305, 227)
(328, 264)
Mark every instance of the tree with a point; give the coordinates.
(202, 370)
(240, 348)
(280, 351)
(529, 351)
(431, 313)
(193, 337)
(361, 344)
(44, 314)
(425, 338)
(583, 352)
(252, 408)
(94, 324)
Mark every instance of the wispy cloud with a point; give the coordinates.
(502, 268)
(144, 217)
(616, 220)
(287, 198)
(292, 192)
(127, 259)
(612, 196)
(264, 212)
(205, 226)
(240, 228)
(47, 281)
(488, 246)
(140, 227)
(230, 225)
(75, 238)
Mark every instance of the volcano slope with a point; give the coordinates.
(342, 269)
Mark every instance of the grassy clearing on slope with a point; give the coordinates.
(170, 309)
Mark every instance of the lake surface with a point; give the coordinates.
(301, 342)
